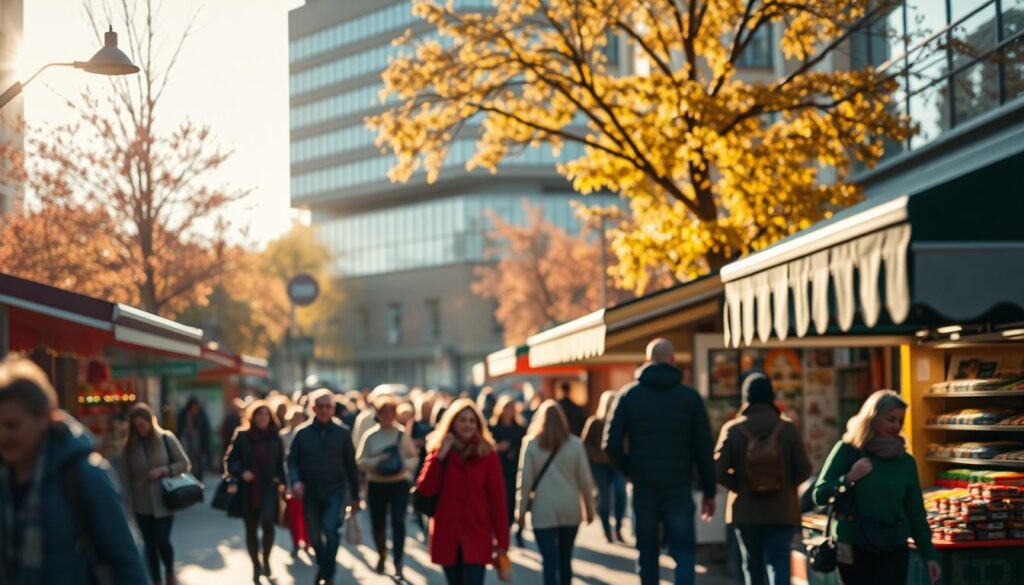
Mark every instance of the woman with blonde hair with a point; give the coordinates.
(463, 473)
(389, 458)
(555, 489)
(871, 465)
(151, 453)
(255, 461)
(610, 483)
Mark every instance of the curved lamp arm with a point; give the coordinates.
(15, 89)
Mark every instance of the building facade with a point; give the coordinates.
(405, 253)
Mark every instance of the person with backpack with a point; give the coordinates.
(152, 453)
(657, 434)
(871, 479)
(761, 460)
(554, 486)
(389, 458)
(61, 515)
(255, 463)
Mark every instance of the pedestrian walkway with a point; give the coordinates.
(210, 550)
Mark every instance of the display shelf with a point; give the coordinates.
(987, 428)
(979, 462)
(945, 544)
(976, 394)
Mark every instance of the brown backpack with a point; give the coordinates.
(764, 464)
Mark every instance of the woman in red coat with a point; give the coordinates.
(470, 523)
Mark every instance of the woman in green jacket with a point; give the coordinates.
(871, 463)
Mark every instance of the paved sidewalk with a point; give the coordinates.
(210, 550)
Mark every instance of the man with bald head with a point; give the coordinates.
(657, 433)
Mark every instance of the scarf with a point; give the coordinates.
(886, 447)
(26, 554)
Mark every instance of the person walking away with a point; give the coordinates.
(389, 458)
(322, 471)
(255, 461)
(194, 435)
(871, 463)
(666, 427)
(554, 485)
(611, 485)
(60, 511)
(573, 412)
(463, 472)
(508, 430)
(152, 453)
(294, 514)
(761, 460)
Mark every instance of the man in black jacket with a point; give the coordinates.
(322, 471)
(657, 432)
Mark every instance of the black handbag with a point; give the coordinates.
(427, 505)
(180, 491)
(392, 463)
(821, 551)
(226, 498)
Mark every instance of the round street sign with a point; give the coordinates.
(303, 289)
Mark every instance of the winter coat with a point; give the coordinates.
(666, 428)
(471, 507)
(323, 458)
(744, 506)
(196, 440)
(375, 442)
(564, 492)
(240, 458)
(105, 525)
(514, 434)
(574, 415)
(146, 496)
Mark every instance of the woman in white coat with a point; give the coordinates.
(556, 489)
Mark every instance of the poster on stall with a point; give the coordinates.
(820, 405)
(784, 368)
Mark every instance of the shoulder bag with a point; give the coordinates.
(821, 551)
(532, 494)
(427, 505)
(392, 463)
(180, 491)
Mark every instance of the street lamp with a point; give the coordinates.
(107, 61)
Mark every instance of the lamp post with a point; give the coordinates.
(107, 61)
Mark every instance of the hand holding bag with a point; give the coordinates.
(821, 551)
(391, 463)
(180, 491)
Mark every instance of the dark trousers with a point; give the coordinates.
(673, 511)
(253, 523)
(323, 522)
(556, 546)
(766, 551)
(462, 573)
(388, 498)
(611, 486)
(876, 568)
(156, 535)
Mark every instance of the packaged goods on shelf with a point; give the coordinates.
(978, 385)
(951, 478)
(983, 511)
(973, 450)
(978, 416)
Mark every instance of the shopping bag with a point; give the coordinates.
(353, 534)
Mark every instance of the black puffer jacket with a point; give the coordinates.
(658, 431)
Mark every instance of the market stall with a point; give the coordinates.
(947, 290)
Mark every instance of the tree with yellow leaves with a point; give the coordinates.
(713, 165)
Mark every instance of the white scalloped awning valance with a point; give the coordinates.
(820, 276)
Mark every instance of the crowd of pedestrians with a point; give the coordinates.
(473, 472)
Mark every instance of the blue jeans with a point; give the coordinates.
(766, 550)
(556, 546)
(323, 522)
(610, 485)
(673, 510)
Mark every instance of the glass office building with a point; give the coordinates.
(405, 253)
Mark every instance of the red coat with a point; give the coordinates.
(470, 509)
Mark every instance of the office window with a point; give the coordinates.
(362, 325)
(759, 51)
(433, 320)
(394, 323)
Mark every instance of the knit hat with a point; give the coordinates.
(757, 388)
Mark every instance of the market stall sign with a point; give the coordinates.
(182, 369)
(303, 289)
